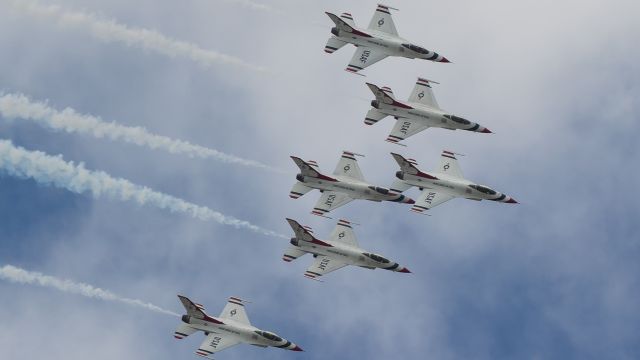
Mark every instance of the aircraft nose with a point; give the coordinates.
(409, 201)
(512, 201)
(486, 131)
(444, 60)
(404, 270)
(296, 348)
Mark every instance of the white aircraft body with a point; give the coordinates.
(231, 328)
(345, 185)
(374, 43)
(341, 250)
(443, 185)
(418, 113)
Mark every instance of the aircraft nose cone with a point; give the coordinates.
(487, 131)
(405, 270)
(444, 60)
(512, 201)
(409, 201)
(297, 348)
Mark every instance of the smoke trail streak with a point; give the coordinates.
(112, 31)
(21, 276)
(18, 106)
(53, 170)
(251, 5)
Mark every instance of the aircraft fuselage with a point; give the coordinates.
(352, 188)
(347, 254)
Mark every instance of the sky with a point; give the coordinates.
(119, 215)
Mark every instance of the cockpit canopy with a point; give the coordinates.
(380, 190)
(377, 258)
(458, 119)
(269, 336)
(416, 48)
(483, 189)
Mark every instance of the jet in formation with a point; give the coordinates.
(418, 113)
(340, 250)
(231, 328)
(374, 43)
(345, 185)
(442, 185)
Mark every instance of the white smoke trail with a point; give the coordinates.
(21, 276)
(112, 31)
(53, 170)
(251, 5)
(18, 106)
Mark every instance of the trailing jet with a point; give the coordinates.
(346, 184)
(231, 328)
(339, 251)
(418, 113)
(376, 42)
(443, 185)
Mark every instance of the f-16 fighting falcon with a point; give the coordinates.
(374, 43)
(418, 113)
(443, 185)
(341, 250)
(231, 328)
(346, 184)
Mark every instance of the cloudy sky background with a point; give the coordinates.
(553, 277)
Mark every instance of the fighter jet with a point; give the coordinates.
(341, 250)
(346, 184)
(376, 42)
(418, 113)
(231, 328)
(443, 185)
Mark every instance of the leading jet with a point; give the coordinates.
(418, 113)
(345, 185)
(442, 185)
(374, 43)
(231, 328)
(340, 250)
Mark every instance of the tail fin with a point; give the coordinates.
(193, 309)
(310, 169)
(383, 94)
(409, 166)
(344, 22)
(304, 233)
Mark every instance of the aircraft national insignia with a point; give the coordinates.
(381, 22)
(446, 166)
(341, 235)
(421, 95)
(232, 312)
(346, 168)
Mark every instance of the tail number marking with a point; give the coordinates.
(323, 264)
(365, 56)
(430, 197)
(215, 342)
(405, 127)
(330, 200)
